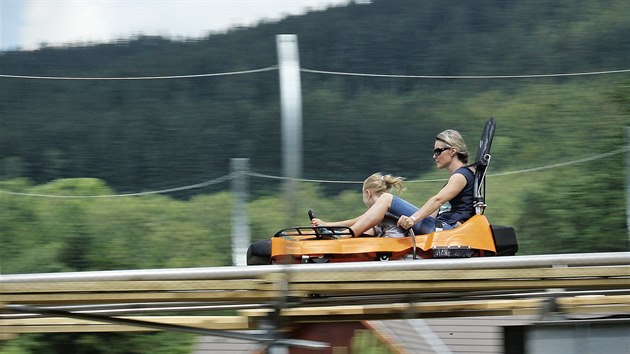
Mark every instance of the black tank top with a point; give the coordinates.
(462, 207)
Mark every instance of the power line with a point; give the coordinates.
(193, 76)
(534, 169)
(567, 163)
(233, 175)
(161, 191)
(451, 77)
(260, 175)
(324, 72)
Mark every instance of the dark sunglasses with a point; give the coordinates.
(438, 151)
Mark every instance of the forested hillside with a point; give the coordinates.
(150, 134)
(556, 174)
(555, 156)
(146, 135)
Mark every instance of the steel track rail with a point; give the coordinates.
(320, 292)
(242, 272)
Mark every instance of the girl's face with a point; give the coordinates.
(368, 198)
(442, 154)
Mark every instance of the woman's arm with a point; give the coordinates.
(456, 183)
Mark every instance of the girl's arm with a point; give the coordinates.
(346, 223)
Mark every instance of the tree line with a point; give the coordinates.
(139, 135)
(555, 171)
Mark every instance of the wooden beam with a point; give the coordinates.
(568, 305)
(121, 286)
(342, 289)
(458, 274)
(5, 335)
(118, 297)
(63, 324)
(247, 319)
(439, 286)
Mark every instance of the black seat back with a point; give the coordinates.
(504, 236)
(482, 160)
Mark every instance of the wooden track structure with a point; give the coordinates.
(591, 285)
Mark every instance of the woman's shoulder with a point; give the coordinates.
(466, 171)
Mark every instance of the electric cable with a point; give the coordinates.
(32, 77)
(135, 194)
(468, 77)
(233, 175)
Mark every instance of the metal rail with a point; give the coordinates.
(243, 272)
(583, 284)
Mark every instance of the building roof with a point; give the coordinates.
(409, 336)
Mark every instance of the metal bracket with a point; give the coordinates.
(549, 310)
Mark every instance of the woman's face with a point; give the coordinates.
(442, 154)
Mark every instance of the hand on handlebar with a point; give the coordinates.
(317, 222)
(406, 222)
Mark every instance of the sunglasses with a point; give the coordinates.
(438, 151)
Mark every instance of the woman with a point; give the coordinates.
(450, 153)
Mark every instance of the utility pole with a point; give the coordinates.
(291, 111)
(628, 180)
(240, 220)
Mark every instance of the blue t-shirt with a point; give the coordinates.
(462, 207)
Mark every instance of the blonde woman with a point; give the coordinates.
(449, 153)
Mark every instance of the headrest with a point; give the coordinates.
(483, 152)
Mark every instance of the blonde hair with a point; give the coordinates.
(379, 183)
(453, 139)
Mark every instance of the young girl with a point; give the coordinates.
(373, 187)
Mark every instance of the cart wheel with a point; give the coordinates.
(383, 257)
(259, 253)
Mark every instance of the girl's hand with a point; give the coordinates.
(317, 222)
